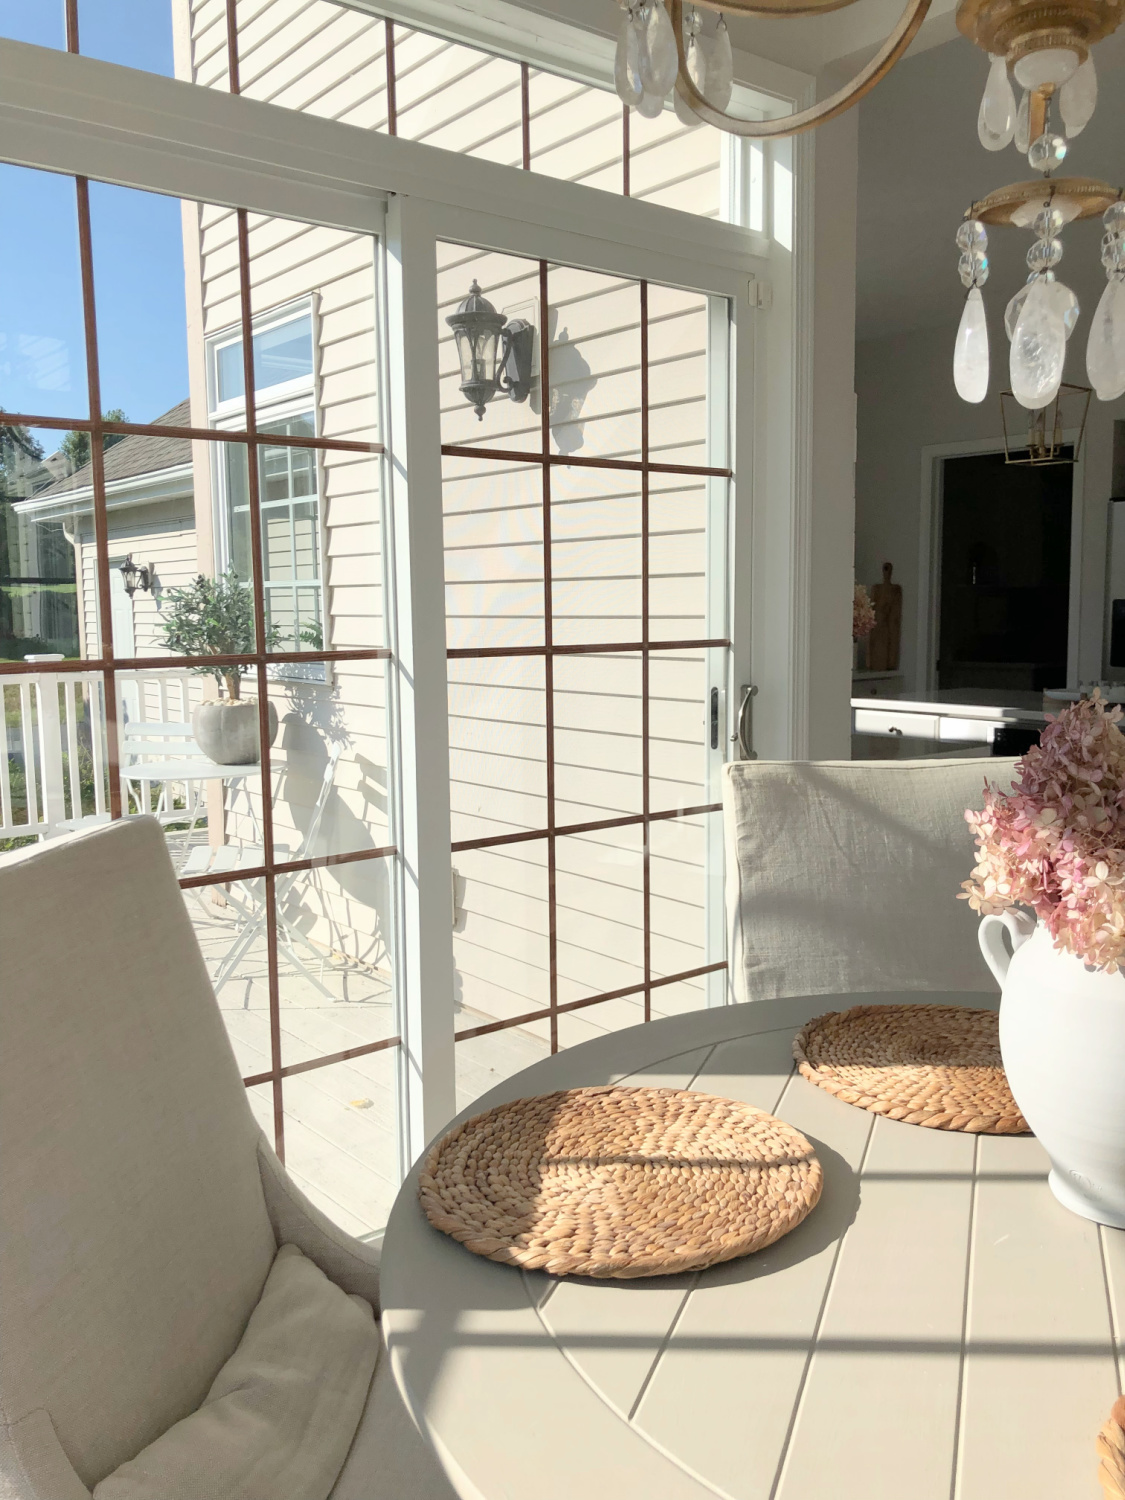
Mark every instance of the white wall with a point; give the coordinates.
(907, 403)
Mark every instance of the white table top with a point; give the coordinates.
(939, 1328)
(196, 768)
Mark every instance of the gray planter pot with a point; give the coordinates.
(227, 733)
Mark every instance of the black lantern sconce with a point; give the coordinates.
(496, 353)
(135, 578)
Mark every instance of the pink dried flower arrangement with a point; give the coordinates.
(1056, 841)
(863, 613)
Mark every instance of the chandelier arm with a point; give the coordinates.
(805, 119)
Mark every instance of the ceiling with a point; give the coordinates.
(921, 165)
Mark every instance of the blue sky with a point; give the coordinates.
(137, 245)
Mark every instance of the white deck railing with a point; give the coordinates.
(54, 731)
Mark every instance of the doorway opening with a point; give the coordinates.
(1003, 577)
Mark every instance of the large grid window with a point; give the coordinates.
(587, 643)
(109, 452)
(342, 63)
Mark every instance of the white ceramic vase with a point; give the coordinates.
(1062, 1037)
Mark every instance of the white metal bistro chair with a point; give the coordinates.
(232, 859)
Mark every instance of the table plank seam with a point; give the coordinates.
(657, 1447)
(954, 1476)
(1114, 1324)
(664, 1342)
(798, 1403)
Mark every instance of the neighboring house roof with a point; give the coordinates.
(138, 470)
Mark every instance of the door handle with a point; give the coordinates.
(744, 731)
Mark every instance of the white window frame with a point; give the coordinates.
(274, 403)
(81, 116)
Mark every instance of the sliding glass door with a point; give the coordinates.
(588, 657)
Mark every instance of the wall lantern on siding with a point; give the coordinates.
(135, 577)
(496, 353)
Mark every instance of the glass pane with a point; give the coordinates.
(329, 764)
(353, 545)
(484, 1061)
(135, 33)
(335, 959)
(53, 768)
(42, 334)
(33, 21)
(500, 933)
(596, 556)
(677, 559)
(222, 916)
(598, 740)
(48, 583)
(204, 60)
(458, 98)
(674, 164)
(312, 293)
(493, 554)
(322, 58)
(193, 762)
(497, 747)
(598, 1020)
(679, 730)
(599, 880)
(577, 132)
(678, 850)
(341, 1138)
(511, 286)
(138, 250)
(680, 998)
(677, 377)
(595, 360)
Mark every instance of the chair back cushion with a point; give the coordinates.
(135, 1235)
(843, 876)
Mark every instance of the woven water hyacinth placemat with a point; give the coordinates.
(935, 1065)
(619, 1182)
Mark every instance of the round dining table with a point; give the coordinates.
(938, 1328)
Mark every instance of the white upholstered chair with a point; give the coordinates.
(843, 876)
(140, 1205)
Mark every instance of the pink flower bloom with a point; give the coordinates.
(1056, 841)
(863, 613)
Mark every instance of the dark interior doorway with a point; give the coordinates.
(1005, 574)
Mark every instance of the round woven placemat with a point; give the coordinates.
(935, 1065)
(619, 1182)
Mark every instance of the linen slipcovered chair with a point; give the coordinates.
(142, 1206)
(843, 876)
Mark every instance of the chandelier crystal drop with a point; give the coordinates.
(1035, 362)
(659, 58)
(970, 356)
(996, 122)
(627, 61)
(719, 65)
(696, 69)
(1077, 98)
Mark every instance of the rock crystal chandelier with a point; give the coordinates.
(1045, 45)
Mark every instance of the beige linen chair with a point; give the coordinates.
(842, 876)
(141, 1205)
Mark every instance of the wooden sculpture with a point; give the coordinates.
(883, 642)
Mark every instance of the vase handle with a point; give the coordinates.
(1019, 925)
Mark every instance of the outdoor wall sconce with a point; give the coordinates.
(135, 578)
(496, 353)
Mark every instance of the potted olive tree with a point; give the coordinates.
(215, 617)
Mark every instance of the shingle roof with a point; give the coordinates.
(132, 457)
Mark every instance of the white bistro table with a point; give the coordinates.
(939, 1328)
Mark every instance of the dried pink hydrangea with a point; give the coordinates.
(863, 613)
(1056, 841)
